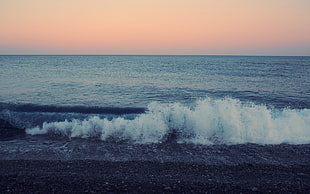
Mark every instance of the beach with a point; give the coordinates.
(154, 124)
(88, 176)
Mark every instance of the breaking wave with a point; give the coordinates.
(209, 121)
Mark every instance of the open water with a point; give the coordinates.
(90, 102)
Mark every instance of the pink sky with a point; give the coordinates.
(254, 27)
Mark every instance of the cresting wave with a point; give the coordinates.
(209, 121)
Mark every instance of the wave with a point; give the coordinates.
(209, 121)
(70, 109)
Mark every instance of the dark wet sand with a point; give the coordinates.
(80, 176)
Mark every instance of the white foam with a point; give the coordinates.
(210, 121)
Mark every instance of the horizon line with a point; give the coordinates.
(250, 55)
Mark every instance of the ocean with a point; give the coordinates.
(162, 108)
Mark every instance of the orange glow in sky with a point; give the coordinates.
(256, 27)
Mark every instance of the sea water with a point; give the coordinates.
(153, 99)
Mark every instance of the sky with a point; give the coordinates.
(202, 27)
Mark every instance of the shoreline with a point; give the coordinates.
(55, 176)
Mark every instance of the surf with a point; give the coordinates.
(208, 121)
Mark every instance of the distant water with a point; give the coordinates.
(153, 99)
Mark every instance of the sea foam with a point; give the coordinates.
(209, 121)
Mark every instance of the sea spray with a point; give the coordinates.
(209, 121)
